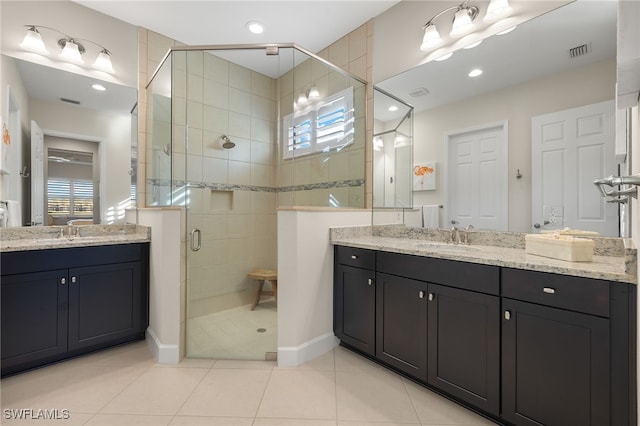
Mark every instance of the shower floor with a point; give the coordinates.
(232, 334)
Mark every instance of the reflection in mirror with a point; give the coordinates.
(76, 120)
(392, 151)
(563, 60)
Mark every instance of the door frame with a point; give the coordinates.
(101, 159)
(504, 168)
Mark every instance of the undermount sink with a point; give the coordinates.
(435, 245)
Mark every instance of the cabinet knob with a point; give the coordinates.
(74, 279)
(370, 281)
(354, 257)
(431, 297)
(421, 294)
(63, 281)
(507, 315)
(549, 290)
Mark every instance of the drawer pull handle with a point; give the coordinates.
(431, 297)
(549, 290)
(354, 257)
(507, 315)
(370, 281)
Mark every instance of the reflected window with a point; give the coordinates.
(70, 197)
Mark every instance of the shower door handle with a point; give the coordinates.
(196, 246)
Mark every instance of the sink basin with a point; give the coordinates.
(434, 245)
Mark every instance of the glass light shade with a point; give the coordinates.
(314, 93)
(462, 23)
(497, 9)
(33, 41)
(431, 38)
(103, 62)
(302, 99)
(71, 52)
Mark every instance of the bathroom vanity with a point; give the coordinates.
(522, 339)
(66, 291)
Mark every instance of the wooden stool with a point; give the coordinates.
(263, 275)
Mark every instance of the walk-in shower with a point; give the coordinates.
(251, 129)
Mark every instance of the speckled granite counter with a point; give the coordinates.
(52, 237)
(614, 258)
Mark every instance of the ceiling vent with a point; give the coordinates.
(581, 50)
(419, 92)
(70, 101)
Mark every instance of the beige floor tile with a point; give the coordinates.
(299, 394)
(79, 388)
(250, 365)
(373, 396)
(128, 355)
(324, 362)
(128, 420)
(366, 423)
(11, 419)
(293, 422)
(210, 421)
(347, 360)
(158, 391)
(434, 409)
(230, 393)
(191, 363)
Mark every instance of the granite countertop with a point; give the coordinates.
(54, 237)
(612, 261)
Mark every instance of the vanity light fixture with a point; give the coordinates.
(314, 93)
(302, 99)
(463, 21)
(72, 47)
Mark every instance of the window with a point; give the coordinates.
(327, 124)
(70, 197)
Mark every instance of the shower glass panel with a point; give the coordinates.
(232, 140)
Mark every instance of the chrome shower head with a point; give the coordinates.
(226, 142)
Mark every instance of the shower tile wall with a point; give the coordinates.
(331, 171)
(235, 203)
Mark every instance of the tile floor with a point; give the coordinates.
(124, 386)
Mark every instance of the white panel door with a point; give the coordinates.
(570, 149)
(477, 179)
(37, 175)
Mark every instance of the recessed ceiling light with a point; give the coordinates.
(255, 27)
(98, 87)
(393, 108)
(475, 73)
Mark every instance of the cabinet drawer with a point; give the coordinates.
(578, 294)
(360, 258)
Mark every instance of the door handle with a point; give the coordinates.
(196, 246)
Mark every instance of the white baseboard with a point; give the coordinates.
(164, 354)
(293, 356)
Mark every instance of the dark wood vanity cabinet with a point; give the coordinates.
(523, 347)
(354, 298)
(63, 302)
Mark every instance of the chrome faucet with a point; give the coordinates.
(454, 235)
(465, 238)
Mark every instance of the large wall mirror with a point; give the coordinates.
(480, 132)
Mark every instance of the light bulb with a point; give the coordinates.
(71, 52)
(462, 23)
(431, 38)
(33, 41)
(103, 61)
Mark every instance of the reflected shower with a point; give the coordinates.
(226, 142)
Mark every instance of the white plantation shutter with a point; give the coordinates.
(69, 197)
(329, 124)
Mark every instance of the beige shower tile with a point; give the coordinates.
(339, 52)
(239, 125)
(195, 86)
(216, 94)
(216, 69)
(194, 114)
(261, 84)
(215, 170)
(239, 100)
(242, 150)
(300, 395)
(195, 64)
(261, 107)
(215, 119)
(227, 392)
(358, 42)
(239, 173)
(261, 130)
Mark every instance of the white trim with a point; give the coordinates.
(293, 356)
(164, 354)
(504, 125)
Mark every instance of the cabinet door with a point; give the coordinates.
(34, 319)
(354, 308)
(555, 366)
(464, 345)
(104, 304)
(401, 324)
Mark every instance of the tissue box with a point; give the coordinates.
(563, 247)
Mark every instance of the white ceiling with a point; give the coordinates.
(535, 49)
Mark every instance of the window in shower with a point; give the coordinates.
(321, 126)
